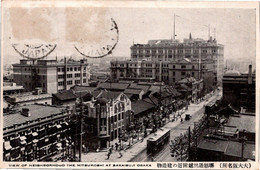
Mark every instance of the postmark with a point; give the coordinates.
(34, 51)
(103, 48)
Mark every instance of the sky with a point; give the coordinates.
(235, 28)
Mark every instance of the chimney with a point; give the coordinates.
(250, 74)
(25, 112)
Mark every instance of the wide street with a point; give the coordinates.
(163, 155)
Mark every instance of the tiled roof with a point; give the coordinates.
(109, 94)
(65, 95)
(36, 111)
(78, 88)
(117, 86)
(145, 88)
(132, 91)
(141, 106)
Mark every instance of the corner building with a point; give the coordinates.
(51, 75)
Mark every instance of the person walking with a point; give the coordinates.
(116, 145)
(120, 153)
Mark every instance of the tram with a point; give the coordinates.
(159, 138)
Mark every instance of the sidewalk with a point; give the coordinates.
(139, 146)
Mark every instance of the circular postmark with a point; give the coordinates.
(103, 47)
(34, 51)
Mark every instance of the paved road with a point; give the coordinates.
(163, 155)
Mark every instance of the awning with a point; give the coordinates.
(35, 134)
(66, 123)
(22, 138)
(58, 126)
(7, 145)
(23, 148)
(35, 140)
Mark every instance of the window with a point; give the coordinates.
(63, 69)
(61, 83)
(61, 76)
(183, 73)
(204, 51)
(43, 77)
(75, 68)
(193, 67)
(84, 80)
(173, 66)
(68, 69)
(85, 68)
(43, 85)
(170, 56)
(84, 74)
(77, 74)
(69, 75)
(192, 73)
(69, 82)
(25, 69)
(59, 69)
(183, 66)
(77, 81)
(71, 69)
(173, 73)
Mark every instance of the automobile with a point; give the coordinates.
(187, 117)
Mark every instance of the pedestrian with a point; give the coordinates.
(152, 159)
(120, 153)
(108, 155)
(116, 144)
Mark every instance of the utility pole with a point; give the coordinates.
(81, 128)
(189, 150)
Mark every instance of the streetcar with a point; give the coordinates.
(157, 140)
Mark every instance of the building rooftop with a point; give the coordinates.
(109, 94)
(79, 88)
(241, 122)
(36, 111)
(132, 91)
(8, 88)
(24, 97)
(145, 88)
(65, 95)
(116, 86)
(141, 106)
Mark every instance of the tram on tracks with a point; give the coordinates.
(159, 138)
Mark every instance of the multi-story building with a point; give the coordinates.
(174, 50)
(36, 132)
(239, 89)
(107, 116)
(168, 71)
(51, 75)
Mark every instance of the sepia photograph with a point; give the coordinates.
(100, 82)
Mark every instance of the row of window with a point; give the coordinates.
(61, 83)
(62, 69)
(171, 51)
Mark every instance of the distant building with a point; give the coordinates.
(169, 72)
(190, 88)
(29, 98)
(36, 132)
(239, 89)
(51, 75)
(174, 50)
(108, 115)
(66, 98)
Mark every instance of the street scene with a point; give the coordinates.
(92, 84)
